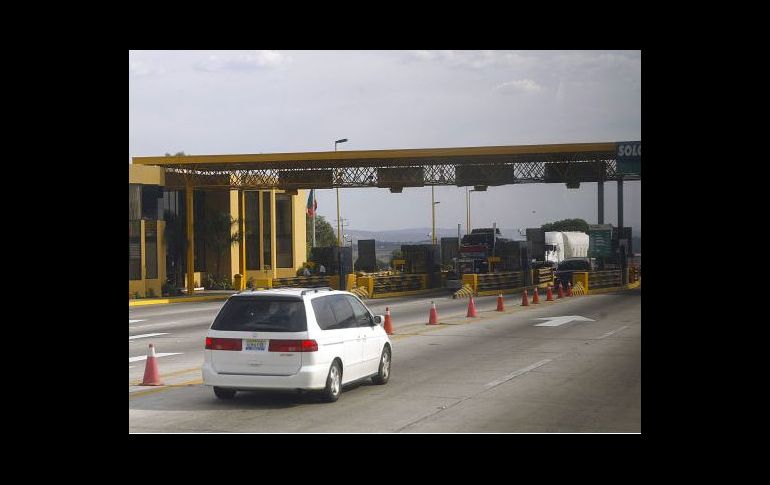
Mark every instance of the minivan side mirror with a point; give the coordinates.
(378, 319)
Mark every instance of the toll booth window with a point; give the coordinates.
(283, 231)
(199, 214)
(151, 249)
(252, 229)
(134, 250)
(150, 195)
(266, 249)
(134, 202)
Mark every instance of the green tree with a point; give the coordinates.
(579, 225)
(218, 235)
(324, 233)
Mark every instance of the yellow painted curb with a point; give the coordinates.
(164, 388)
(164, 301)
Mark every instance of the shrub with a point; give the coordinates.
(150, 293)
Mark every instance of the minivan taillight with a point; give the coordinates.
(223, 343)
(293, 346)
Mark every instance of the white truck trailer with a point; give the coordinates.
(568, 244)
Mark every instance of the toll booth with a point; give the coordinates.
(449, 250)
(423, 258)
(367, 257)
(333, 259)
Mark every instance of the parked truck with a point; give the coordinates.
(560, 245)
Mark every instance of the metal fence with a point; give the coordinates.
(399, 283)
(302, 282)
(604, 279)
(500, 281)
(542, 275)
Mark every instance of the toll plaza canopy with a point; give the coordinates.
(461, 166)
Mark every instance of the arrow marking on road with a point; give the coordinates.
(144, 357)
(145, 335)
(556, 321)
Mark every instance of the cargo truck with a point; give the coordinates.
(560, 245)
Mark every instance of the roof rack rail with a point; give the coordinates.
(316, 290)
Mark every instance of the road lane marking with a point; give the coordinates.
(145, 335)
(132, 395)
(517, 373)
(614, 331)
(144, 357)
(134, 321)
(556, 321)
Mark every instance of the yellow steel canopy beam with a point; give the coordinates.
(357, 155)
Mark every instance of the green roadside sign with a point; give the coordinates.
(629, 158)
(599, 240)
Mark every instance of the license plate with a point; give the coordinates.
(256, 344)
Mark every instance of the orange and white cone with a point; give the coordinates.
(151, 377)
(524, 298)
(548, 294)
(535, 297)
(388, 323)
(433, 320)
(471, 308)
(569, 288)
(561, 291)
(500, 305)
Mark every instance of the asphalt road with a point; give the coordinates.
(499, 373)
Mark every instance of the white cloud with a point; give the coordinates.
(471, 59)
(519, 86)
(244, 61)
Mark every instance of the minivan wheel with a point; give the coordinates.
(223, 393)
(333, 383)
(384, 373)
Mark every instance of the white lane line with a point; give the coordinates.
(134, 321)
(518, 373)
(131, 366)
(144, 357)
(614, 331)
(145, 335)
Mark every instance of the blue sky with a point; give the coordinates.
(214, 102)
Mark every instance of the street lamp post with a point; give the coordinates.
(339, 230)
(468, 202)
(433, 210)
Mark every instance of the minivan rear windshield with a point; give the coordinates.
(262, 315)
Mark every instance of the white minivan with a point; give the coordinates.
(295, 338)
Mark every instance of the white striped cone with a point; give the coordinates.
(151, 374)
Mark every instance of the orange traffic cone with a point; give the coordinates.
(388, 323)
(535, 297)
(561, 291)
(433, 320)
(569, 288)
(548, 294)
(471, 308)
(524, 296)
(500, 306)
(151, 377)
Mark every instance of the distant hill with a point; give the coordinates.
(419, 234)
(422, 235)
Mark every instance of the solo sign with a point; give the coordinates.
(629, 157)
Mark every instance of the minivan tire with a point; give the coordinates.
(383, 375)
(223, 393)
(333, 389)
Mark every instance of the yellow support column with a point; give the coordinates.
(273, 238)
(242, 230)
(190, 240)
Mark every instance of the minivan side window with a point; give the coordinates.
(323, 313)
(333, 312)
(343, 312)
(359, 311)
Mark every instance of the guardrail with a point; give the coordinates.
(500, 281)
(604, 279)
(542, 276)
(301, 282)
